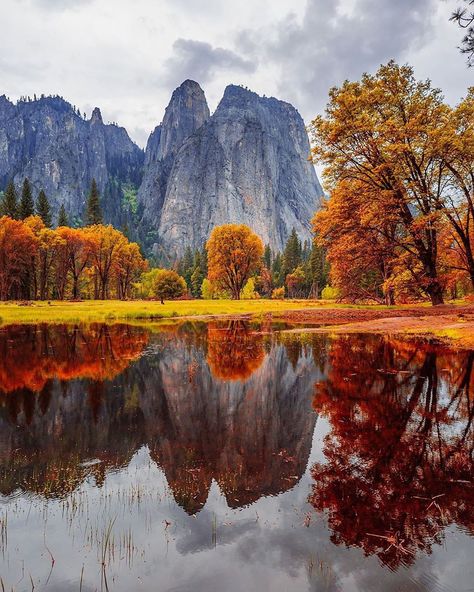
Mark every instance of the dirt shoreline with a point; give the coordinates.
(450, 323)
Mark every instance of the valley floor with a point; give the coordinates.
(451, 322)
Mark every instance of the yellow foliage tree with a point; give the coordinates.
(234, 253)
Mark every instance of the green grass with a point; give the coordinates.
(89, 311)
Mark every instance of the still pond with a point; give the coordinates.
(233, 457)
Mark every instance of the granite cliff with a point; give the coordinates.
(247, 163)
(51, 143)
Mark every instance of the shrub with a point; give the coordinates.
(248, 291)
(330, 293)
(278, 294)
(168, 284)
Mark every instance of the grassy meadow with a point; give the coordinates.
(89, 311)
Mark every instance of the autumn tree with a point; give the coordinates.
(379, 134)
(454, 151)
(265, 282)
(27, 205)
(76, 254)
(129, 264)
(43, 209)
(295, 282)
(234, 254)
(93, 208)
(169, 285)
(9, 204)
(17, 246)
(105, 243)
(360, 256)
(49, 243)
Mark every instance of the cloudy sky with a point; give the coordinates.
(126, 56)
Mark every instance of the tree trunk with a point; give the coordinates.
(435, 293)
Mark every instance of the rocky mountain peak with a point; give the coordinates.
(185, 113)
(248, 164)
(96, 116)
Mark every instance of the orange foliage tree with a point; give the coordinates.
(40, 262)
(361, 259)
(454, 144)
(49, 244)
(106, 242)
(129, 264)
(378, 140)
(234, 253)
(18, 245)
(74, 258)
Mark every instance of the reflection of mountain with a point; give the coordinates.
(251, 434)
(400, 450)
(253, 437)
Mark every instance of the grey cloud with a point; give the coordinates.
(200, 61)
(60, 4)
(330, 45)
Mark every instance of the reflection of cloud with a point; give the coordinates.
(198, 536)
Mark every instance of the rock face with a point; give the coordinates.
(49, 142)
(186, 113)
(248, 163)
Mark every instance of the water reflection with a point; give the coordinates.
(399, 457)
(203, 412)
(205, 441)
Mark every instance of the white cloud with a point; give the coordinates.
(128, 57)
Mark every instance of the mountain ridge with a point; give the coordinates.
(247, 162)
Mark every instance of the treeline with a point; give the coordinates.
(300, 271)
(25, 206)
(39, 262)
(399, 224)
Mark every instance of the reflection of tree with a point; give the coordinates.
(400, 451)
(30, 356)
(253, 437)
(234, 352)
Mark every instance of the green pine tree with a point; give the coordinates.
(9, 204)
(204, 261)
(318, 270)
(197, 278)
(27, 205)
(267, 257)
(43, 209)
(292, 254)
(187, 266)
(93, 210)
(63, 219)
(277, 275)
